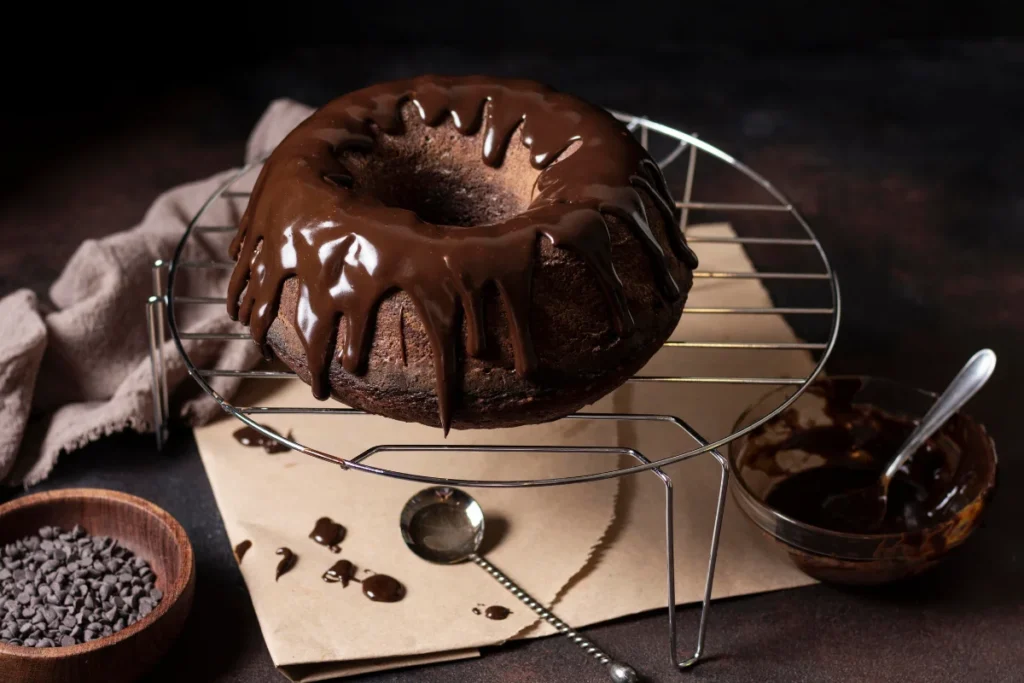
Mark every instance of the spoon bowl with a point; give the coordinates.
(443, 525)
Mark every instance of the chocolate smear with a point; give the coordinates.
(328, 533)
(320, 232)
(241, 549)
(383, 588)
(252, 438)
(288, 559)
(341, 571)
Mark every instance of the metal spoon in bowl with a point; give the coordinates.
(864, 509)
(445, 525)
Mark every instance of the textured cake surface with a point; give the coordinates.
(460, 252)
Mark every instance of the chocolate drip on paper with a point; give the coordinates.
(497, 612)
(383, 588)
(328, 533)
(241, 549)
(342, 572)
(288, 560)
(347, 254)
(252, 438)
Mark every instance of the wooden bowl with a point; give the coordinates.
(150, 533)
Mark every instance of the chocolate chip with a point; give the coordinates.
(61, 588)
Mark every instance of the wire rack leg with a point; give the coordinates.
(156, 313)
(671, 566)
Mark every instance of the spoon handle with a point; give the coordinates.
(971, 377)
(621, 673)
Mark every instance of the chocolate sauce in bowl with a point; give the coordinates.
(855, 447)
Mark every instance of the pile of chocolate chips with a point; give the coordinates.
(60, 588)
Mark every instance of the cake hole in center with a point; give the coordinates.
(439, 175)
(445, 195)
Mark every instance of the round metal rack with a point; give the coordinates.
(677, 148)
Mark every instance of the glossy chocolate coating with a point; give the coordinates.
(383, 588)
(342, 572)
(252, 438)
(286, 563)
(328, 533)
(310, 221)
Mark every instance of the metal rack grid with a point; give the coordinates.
(161, 313)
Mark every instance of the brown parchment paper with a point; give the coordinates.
(315, 631)
(274, 500)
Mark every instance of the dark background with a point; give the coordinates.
(896, 131)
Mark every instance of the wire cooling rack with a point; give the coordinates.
(674, 151)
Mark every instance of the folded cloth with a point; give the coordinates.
(77, 368)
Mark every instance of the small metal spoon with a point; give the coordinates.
(445, 525)
(864, 509)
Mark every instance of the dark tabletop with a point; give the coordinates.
(906, 159)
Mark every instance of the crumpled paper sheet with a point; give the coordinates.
(316, 631)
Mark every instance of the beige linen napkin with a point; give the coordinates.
(76, 368)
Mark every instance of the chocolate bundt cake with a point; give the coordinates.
(460, 252)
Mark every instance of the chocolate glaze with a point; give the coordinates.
(497, 612)
(241, 549)
(288, 560)
(247, 436)
(341, 571)
(856, 448)
(329, 533)
(347, 253)
(383, 588)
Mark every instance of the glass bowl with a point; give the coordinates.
(969, 476)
